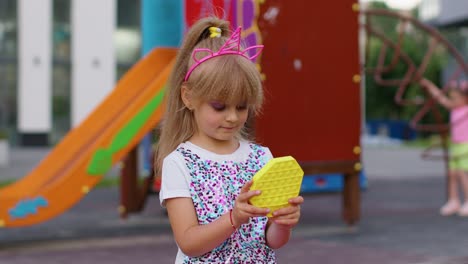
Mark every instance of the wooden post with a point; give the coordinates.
(351, 196)
(129, 184)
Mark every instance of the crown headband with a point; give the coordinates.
(231, 47)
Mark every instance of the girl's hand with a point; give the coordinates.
(289, 216)
(242, 210)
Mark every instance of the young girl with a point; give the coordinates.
(207, 165)
(457, 103)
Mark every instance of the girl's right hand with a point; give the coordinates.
(243, 210)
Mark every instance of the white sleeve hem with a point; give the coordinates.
(173, 194)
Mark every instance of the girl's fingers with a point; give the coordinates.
(259, 211)
(285, 215)
(286, 218)
(245, 197)
(255, 211)
(246, 187)
(245, 193)
(293, 209)
(286, 222)
(296, 200)
(246, 211)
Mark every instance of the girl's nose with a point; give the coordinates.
(232, 115)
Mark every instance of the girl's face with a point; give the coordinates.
(219, 122)
(458, 97)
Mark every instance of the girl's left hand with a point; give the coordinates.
(289, 216)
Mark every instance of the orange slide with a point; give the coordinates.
(89, 150)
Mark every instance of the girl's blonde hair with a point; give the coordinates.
(227, 78)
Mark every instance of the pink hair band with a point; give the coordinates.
(231, 47)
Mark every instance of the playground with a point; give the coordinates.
(111, 133)
(363, 203)
(398, 224)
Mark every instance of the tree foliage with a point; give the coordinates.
(380, 103)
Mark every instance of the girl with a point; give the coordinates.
(207, 165)
(457, 103)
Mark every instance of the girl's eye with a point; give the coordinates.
(242, 107)
(217, 106)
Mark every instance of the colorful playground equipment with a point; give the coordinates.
(313, 91)
(88, 151)
(415, 74)
(312, 110)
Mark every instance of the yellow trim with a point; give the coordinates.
(357, 150)
(357, 166)
(85, 189)
(356, 7)
(356, 78)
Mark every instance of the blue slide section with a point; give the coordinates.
(332, 182)
(162, 26)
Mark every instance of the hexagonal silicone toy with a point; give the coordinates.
(279, 180)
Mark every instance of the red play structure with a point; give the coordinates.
(312, 87)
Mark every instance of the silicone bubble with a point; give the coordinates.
(279, 180)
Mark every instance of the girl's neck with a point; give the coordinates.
(221, 147)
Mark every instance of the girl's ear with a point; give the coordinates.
(185, 95)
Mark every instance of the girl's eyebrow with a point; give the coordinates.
(221, 102)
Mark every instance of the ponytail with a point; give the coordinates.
(178, 125)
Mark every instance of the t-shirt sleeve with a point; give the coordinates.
(268, 154)
(174, 179)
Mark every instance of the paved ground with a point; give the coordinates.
(399, 225)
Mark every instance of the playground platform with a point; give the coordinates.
(399, 222)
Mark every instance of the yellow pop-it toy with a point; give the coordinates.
(279, 180)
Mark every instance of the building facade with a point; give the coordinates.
(58, 59)
(451, 18)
